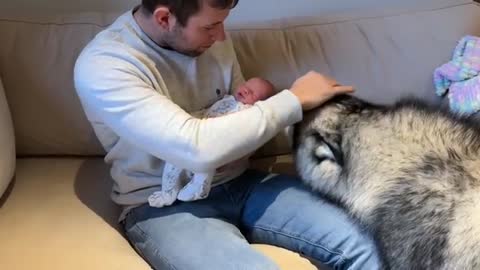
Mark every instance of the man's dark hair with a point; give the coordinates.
(184, 9)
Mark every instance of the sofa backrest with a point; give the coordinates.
(7, 143)
(387, 52)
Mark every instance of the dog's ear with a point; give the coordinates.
(296, 133)
(350, 104)
(335, 145)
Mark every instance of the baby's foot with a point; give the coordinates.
(192, 192)
(162, 198)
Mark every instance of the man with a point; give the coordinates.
(138, 82)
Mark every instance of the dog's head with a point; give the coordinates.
(327, 123)
(332, 116)
(340, 107)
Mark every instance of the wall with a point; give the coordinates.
(257, 10)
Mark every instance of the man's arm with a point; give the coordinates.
(152, 122)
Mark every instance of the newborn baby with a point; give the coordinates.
(199, 184)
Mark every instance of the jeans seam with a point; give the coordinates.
(296, 237)
(152, 243)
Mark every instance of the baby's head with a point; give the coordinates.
(254, 90)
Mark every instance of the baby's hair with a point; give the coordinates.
(269, 83)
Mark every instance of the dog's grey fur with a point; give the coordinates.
(410, 173)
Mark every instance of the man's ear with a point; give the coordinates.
(163, 17)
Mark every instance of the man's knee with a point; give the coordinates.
(173, 258)
(185, 242)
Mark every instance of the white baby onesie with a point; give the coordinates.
(187, 186)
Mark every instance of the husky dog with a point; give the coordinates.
(410, 173)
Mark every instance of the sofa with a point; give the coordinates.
(55, 211)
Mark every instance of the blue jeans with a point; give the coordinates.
(214, 233)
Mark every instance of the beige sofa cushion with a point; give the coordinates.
(59, 216)
(7, 143)
(285, 259)
(385, 53)
(55, 218)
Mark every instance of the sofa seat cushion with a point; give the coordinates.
(58, 215)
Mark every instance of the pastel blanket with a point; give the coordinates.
(460, 77)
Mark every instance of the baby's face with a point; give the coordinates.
(254, 90)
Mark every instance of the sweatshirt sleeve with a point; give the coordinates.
(116, 92)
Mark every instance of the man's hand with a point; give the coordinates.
(313, 89)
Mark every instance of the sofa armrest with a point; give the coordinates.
(7, 143)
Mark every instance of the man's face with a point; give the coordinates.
(201, 31)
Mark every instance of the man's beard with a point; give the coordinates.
(176, 41)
